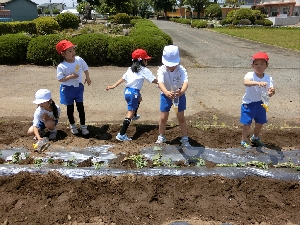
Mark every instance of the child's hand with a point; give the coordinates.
(110, 87)
(170, 94)
(45, 117)
(271, 91)
(88, 81)
(262, 84)
(73, 76)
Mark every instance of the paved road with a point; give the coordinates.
(216, 66)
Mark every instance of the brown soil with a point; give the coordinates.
(130, 199)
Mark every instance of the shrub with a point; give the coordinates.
(151, 31)
(241, 14)
(41, 50)
(92, 48)
(13, 48)
(154, 46)
(199, 24)
(121, 18)
(268, 22)
(245, 22)
(46, 25)
(213, 11)
(5, 28)
(259, 22)
(67, 20)
(119, 50)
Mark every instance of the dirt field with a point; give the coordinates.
(213, 119)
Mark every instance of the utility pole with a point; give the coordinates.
(50, 9)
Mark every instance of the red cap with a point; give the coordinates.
(260, 55)
(140, 54)
(64, 45)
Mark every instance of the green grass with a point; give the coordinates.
(283, 37)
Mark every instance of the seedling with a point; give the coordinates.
(98, 165)
(258, 164)
(157, 161)
(70, 163)
(240, 164)
(37, 163)
(17, 157)
(50, 160)
(139, 160)
(200, 162)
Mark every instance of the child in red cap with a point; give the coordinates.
(134, 77)
(69, 73)
(259, 86)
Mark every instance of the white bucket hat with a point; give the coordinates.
(42, 95)
(170, 56)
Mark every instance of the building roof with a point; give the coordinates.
(7, 1)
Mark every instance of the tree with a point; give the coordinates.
(55, 11)
(213, 11)
(232, 3)
(198, 5)
(163, 5)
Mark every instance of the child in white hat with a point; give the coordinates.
(173, 83)
(45, 116)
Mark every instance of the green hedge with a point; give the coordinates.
(119, 50)
(13, 48)
(41, 50)
(153, 45)
(46, 25)
(67, 20)
(92, 48)
(96, 49)
(17, 27)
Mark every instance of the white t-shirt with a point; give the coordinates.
(253, 93)
(39, 112)
(177, 77)
(65, 69)
(136, 80)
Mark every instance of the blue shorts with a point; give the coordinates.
(69, 94)
(166, 103)
(132, 97)
(42, 126)
(253, 110)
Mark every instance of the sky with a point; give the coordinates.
(68, 3)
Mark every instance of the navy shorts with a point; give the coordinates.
(166, 103)
(132, 97)
(253, 110)
(42, 126)
(69, 94)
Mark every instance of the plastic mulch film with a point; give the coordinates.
(229, 158)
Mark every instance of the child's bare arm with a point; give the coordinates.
(120, 81)
(250, 83)
(87, 77)
(69, 77)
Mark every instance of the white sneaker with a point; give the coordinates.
(185, 142)
(160, 139)
(84, 130)
(73, 129)
(136, 117)
(53, 134)
(123, 137)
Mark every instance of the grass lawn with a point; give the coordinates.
(282, 37)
